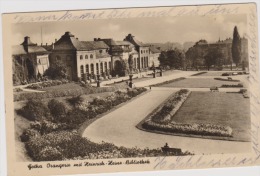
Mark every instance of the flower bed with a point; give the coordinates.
(232, 85)
(67, 145)
(168, 82)
(200, 73)
(49, 83)
(222, 79)
(194, 129)
(62, 93)
(166, 111)
(161, 120)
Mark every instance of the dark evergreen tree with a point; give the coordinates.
(236, 47)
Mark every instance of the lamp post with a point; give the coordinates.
(160, 72)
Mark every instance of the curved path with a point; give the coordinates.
(119, 128)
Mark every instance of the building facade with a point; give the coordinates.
(143, 52)
(30, 61)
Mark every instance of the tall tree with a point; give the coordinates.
(213, 57)
(236, 47)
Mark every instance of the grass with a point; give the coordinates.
(122, 84)
(198, 83)
(227, 109)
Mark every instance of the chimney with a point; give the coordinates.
(46, 44)
(41, 44)
(55, 40)
(95, 39)
(52, 45)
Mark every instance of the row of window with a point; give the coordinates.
(144, 51)
(86, 56)
(100, 68)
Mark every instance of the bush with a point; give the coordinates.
(62, 93)
(232, 85)
(231, 80)
(28, 134)
(64, 145)
(45, 127)
(35, 110)
(57, 109)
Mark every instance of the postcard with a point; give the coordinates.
(131, 89)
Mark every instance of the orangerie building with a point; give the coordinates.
(87, 59)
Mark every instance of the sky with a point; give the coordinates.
(148, 30)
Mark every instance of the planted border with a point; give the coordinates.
(161, 120)
(168, 82)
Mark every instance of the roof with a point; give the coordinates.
(69, 42)
(20, 50)
(134, 41)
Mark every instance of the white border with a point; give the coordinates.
(9, 6)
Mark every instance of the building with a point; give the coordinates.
(121, 52)
(143, 52)
(29, 61)
(225, 47)
(83, 59)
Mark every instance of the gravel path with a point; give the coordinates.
(119, 128)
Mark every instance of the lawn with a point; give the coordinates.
(198, 83)
(227, 109)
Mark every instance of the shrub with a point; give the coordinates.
(62, 93)
(45, 127)
(231, 80)
(232, 85)
(28, 134)
(64, 145)
(57, 109)
(226, 74)
(35, 110)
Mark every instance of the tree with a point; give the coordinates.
(172, 58)
(213, 57)
(236, 47)
(57, 70)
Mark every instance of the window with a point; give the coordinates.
(97, 67)
(141, 51)
(86, 56)
(101, 68)
(87, 69)
(106, 67)
(92, 69)
(81, 57)
(81, 71)
(91, 56)
(100, 51)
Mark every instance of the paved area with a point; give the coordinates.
(119, 128)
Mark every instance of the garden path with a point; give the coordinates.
(119, 128)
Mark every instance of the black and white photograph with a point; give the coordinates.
(103, 89)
